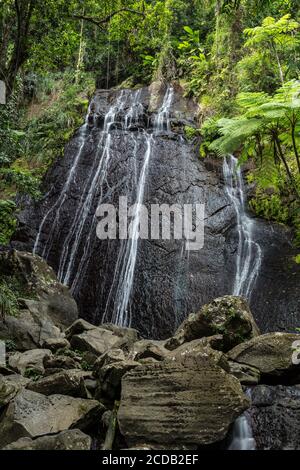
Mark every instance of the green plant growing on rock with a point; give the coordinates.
(191, 132)
(10, 345)
(32, 374)
(8, 300)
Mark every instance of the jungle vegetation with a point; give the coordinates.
(238, 58)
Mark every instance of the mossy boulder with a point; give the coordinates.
(228, 316)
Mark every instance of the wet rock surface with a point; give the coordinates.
(169, 281)
(275, 417)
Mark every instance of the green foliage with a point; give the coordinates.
(238, 58)
(10, 345)
(7, 220)
(33, 374)
(266, 129)
(8, 300)
(34, 139)
(191, 132)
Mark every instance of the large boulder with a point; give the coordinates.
(60, 362)
(32, 360)
(177, 404)
(275, 417)
(30, 328)
(229, 316)
(271, 354)
(40, 281)
(145, 349)
(98, 340)
(199, 348)
(33, 415)
(67, 382)
(73, 439)
(44, 305)
(10, 386)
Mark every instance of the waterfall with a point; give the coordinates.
(162, 120)
(248, 264)
(124, 120)
(249, 253)
(96, 180)
(56, 208)
(128, 255)
(242, 437)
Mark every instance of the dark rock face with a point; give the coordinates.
(169, 282)
(275, 417)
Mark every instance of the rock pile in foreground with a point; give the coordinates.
(72, 385)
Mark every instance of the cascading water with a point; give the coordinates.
(248, 264)
(242, 438)
(123, 120)
(128, 255)
(96, 179)
(56, 208)
(249, 253)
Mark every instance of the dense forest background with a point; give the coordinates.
(239, 59)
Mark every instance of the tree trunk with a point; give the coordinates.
(295, 145)
(24, 12)
(288, 171)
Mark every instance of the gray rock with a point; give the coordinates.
(199, 348)
(33, 360)
(271, 354)
(109, 357)
(10, 387)
(73, 439)
(174, 404)
(30, 328)
(68, 382)
(97, 341)
(167, 287)
(78, 327)
(275, 417)
(129, 335)
(228, 316)
(33, 415)
(148, 349)
(110, 378)
(37, 277)
(54, 344)
(61, 362)
(246, 374)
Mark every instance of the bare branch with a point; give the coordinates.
(106, 19)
